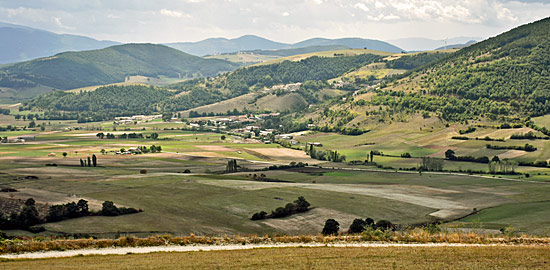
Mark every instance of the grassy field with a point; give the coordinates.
(209, 202)
(498, 257)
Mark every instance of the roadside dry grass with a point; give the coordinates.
(417, 235)
(477, 257)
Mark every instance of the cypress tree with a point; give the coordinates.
(89, 162)
(94, 160)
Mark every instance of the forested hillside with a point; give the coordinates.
(104, 103)
(108, 102)
(78, 69)
(503, 77)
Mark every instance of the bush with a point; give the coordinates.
(384, 224)
(331, 227)
(357, 226)
(37, 229)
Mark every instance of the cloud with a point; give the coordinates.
(173, 13)
(61, 25)
(281, 20)
(361, 6)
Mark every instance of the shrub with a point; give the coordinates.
(331, 227)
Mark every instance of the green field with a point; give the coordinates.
(211, 202)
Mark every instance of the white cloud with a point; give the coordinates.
(61, 25)
(281, 20)
(361, 6)
(379, 5)
(173, 13)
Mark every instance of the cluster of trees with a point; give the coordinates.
(431, 164)
(68, 211)
(102, 104)
(133, 135)
(29, 216)
(528, 136)
(329, 155)
(5, 111)
(231, 166)
(312, 68)
(505, 166)
(527, 147)
(89, 162)
(543, 130)
(108, 208)
(342, 130)
(299, 206)
(450, 155)
(358, 225)
(415, 60)
(23, 220)
(470, 129)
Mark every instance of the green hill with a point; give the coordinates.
(504, 77)
(78, 69)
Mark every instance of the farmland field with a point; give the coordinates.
(206, 200)
(471, 257)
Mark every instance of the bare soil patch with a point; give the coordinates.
(49, 197)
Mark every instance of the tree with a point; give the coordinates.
(384, 224)
(109, 209)
(222, 137)
(29, 215)
(154, 135)
(371, 155)
(89, 162)
(357, 226)
(301, 204)
(369, 221)
(100, 135)
(259, 215)
(450, 154)
(81, 163)
(231, 165)
(495, 159)
(83, 208)
(94, 160)
(331, 227)
(64, 154)
(32, 124)
(103, 151)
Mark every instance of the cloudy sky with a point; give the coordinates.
(282, 20)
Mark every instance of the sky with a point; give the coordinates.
(160, 21)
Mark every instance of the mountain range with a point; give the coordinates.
(250, 42)
(21, 43)
(96, 67)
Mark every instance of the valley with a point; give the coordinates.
(325, 141)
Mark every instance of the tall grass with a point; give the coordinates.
(417, 235)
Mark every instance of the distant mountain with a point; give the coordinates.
(354, 43)
(21, 43)
(96, 67)
(296, 51)
(249, 43)
(224, 45)
(426, 44)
